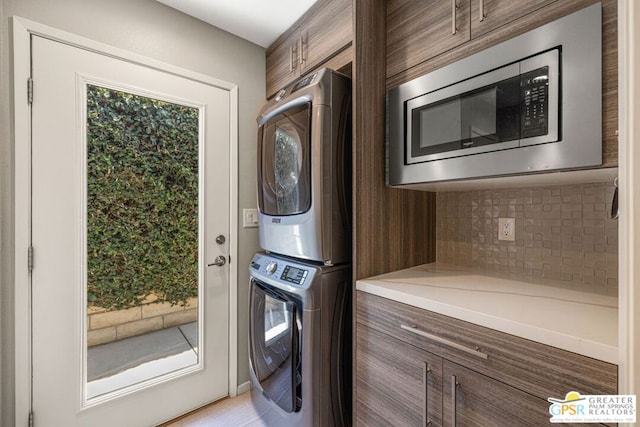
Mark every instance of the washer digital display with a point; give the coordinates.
(294, 275)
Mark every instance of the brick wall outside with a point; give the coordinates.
(563, 233)
(106, 326)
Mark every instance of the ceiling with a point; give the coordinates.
(259, 21)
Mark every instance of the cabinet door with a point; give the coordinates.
(326, 32)
(487, 15)
(420, 30)
(473, 399)
(397, 384)
(282, 63)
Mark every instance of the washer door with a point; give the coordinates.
(274, 337)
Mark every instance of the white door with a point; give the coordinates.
(121, 212)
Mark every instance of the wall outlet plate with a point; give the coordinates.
(249, 218)
(507, 229)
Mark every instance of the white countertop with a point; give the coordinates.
(581, 322)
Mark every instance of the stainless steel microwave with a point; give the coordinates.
(530, 104)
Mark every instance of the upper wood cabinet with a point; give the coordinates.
(420, 30)
(487, 15)
(321, 33)
(282, 62)
(420, 40)
(326, 33)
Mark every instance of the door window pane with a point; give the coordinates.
(142, 238)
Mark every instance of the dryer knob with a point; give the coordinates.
(271, 267)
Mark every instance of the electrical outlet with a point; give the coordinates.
(507, 229)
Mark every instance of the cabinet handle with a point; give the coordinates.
(454, 7)
(454, 388)
(482, 14)
(291, 66)
(475, 352)
(425, 380)
(301, 44)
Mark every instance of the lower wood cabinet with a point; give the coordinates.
(473, 399)
(397, 383)
(436, 381)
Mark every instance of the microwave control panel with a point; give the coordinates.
(534, 102)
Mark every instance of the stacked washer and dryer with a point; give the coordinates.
(300, 291)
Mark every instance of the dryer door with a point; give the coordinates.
(284, 162)
(274, 338)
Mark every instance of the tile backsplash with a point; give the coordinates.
(564, 234)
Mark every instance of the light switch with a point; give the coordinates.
(250, 218)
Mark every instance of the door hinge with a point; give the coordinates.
(30, 259)
(30, 90)
(30, 418)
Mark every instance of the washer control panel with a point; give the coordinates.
(271, 267)
(294, 274)
(282, 270)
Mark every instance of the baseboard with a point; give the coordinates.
(244, 387)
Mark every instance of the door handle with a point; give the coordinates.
(219, 261)
(220, 239)
(614, 203)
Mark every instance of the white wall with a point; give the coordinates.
(154, 30)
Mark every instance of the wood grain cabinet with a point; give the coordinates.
(473, 399)
(320, 34)
(282, 61)
(398, 384)
(401, 385)
(419, 31)
(420, 38)
(418, 368)
(488, 15)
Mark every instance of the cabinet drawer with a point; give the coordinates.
(535, 368)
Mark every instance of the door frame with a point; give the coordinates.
(22, 31)
(629, 183)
